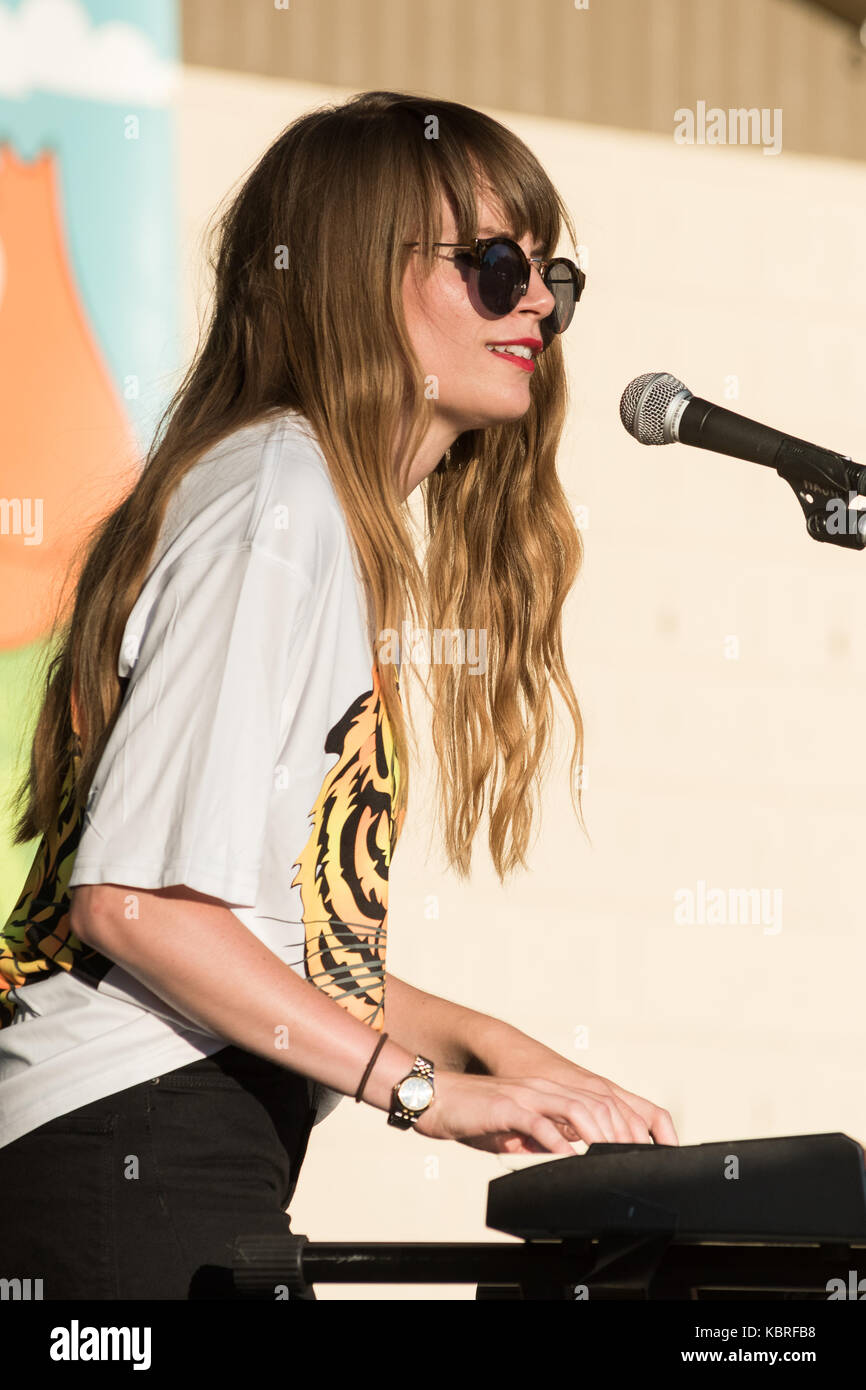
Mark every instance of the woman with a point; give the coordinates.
(220, 770)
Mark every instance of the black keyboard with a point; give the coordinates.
(809, 1187)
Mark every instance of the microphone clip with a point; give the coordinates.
(826, 485)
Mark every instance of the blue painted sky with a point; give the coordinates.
(118, 194)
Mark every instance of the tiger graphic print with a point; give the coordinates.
(342, 877)
(37, 939)
(343, 870)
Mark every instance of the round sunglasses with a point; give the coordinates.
(503, 277)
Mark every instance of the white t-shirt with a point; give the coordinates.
(252, 760)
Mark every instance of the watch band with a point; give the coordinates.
(399, 1114)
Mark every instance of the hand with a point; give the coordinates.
(524, 1115)
(632, 1120)
(646, 1121)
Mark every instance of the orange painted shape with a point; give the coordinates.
(65, 439)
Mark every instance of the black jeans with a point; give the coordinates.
(141, 1194)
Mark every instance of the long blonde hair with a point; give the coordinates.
(307, 314)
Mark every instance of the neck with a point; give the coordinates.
(439, 437)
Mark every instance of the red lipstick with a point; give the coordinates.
(527, 363)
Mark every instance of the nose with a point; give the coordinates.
(538, 297)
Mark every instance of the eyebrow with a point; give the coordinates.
(497, 231)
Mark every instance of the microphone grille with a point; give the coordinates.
(644, 405)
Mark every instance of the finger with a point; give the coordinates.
(509, 1142)
(628, 1126)
(568, 1131)
(558, 1105)
(543, 1130)
(662, 1128)
(589, 1114)
(612, 1127)
(601, 1113)
(658, 1121)
(509, 1115)
(515, 1144)
(626, 1117)
(637, 1125)
(590, 1124)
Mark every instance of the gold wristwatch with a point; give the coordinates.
(411, 1096)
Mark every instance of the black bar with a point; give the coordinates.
(729, 1266)
(551, 1269)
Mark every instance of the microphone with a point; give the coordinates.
(657, 408)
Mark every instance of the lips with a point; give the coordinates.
(535, 344)
(527, 363)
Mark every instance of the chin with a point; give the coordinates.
(500, 413)
(508, 415)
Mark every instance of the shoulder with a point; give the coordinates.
(297, 517)
(265, 490)
(296, 479)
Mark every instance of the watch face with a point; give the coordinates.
(415, 1092)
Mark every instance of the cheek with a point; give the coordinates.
(456, 321)
(443, 326)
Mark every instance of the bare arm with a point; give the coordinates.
(451, 1035)
(193, 952)
(462, 1040)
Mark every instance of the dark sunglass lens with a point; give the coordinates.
(560, 280)
(500, 278)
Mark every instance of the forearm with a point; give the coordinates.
(454, 1037)
(502, 1050)
(194, 953)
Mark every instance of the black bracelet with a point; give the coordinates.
(378, 1048)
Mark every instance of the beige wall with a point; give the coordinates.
(744, 772)
(625, 63)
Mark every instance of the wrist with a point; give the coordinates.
(414, 1095)
(392, 1064)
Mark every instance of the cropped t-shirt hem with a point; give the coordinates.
(106, 1082)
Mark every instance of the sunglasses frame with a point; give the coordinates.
(476, 254)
